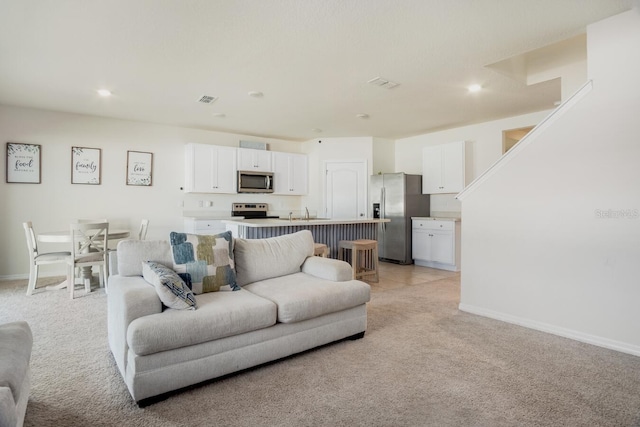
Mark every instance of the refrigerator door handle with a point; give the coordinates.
(383, 213)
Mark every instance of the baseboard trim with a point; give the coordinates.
(435, 264)
(14, 277)
(26, 276)
(620, 346)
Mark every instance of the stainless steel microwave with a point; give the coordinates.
(255, 182)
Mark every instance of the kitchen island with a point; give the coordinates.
(327, 231)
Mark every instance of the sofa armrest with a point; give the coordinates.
(128, 298)
(16, 342)
(327, 268)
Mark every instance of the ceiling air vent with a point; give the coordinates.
(387, 84)
(207, 99)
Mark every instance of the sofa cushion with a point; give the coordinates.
(171, 289)
(300, 296)
(16, 341)
(261, 259)
(207, 259)
(131, 253)
(219, 314)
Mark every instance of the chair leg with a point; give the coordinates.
(105, 271)
(355, 260)
(71, 279)
(374, 255)
(33, 278)
(87, 283)
(101, 275)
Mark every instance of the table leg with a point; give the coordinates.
(87, 272)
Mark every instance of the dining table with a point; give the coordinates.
(64, 236)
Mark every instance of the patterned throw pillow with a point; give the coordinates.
(171, 289)
(207, 259)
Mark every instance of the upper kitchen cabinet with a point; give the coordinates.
(290, 173)
(254, 160)
(446, 168)
(210, 169)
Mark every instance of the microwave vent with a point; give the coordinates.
(253, 145)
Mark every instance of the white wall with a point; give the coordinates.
(384, 156)
(552, 239)
(486, 143)
(52, 204)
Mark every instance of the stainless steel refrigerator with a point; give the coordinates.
(397, 197)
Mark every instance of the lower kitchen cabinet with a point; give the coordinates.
(204, 226)
(436, 243)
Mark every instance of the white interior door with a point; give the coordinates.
(346, 189)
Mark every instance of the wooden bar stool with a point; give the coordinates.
(364, 257)
(320, 249)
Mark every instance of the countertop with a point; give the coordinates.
(436, 218)
(215, 215)
(283, 222)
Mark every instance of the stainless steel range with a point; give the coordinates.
(251, 210)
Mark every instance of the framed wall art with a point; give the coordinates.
(23, 163)
(85, 165)
(139, 168)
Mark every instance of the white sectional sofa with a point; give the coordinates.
(16, 342)
(290, 301)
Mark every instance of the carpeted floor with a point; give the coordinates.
(421, 363)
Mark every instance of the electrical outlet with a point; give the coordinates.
(200, 203)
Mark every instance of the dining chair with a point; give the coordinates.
(89, 247)
(36, 259)
(142, 234)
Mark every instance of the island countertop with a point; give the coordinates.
(284, 222)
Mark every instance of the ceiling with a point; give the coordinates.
(311, 60)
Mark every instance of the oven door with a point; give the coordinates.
(255, 182)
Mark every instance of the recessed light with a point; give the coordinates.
(256, 94)
(474, 88)
(219, 115)
(362, 116)
(104, 92)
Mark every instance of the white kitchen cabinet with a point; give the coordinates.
(254, 160)
(436, 243)
(204, 226)
(290, 172)
(446, 168)
(210, 169)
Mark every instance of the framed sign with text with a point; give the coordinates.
(139, 168)
(85, 165)
(23, 163)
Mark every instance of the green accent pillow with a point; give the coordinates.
(171, 289)
(208, 259)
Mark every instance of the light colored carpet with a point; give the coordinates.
(421, 363)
